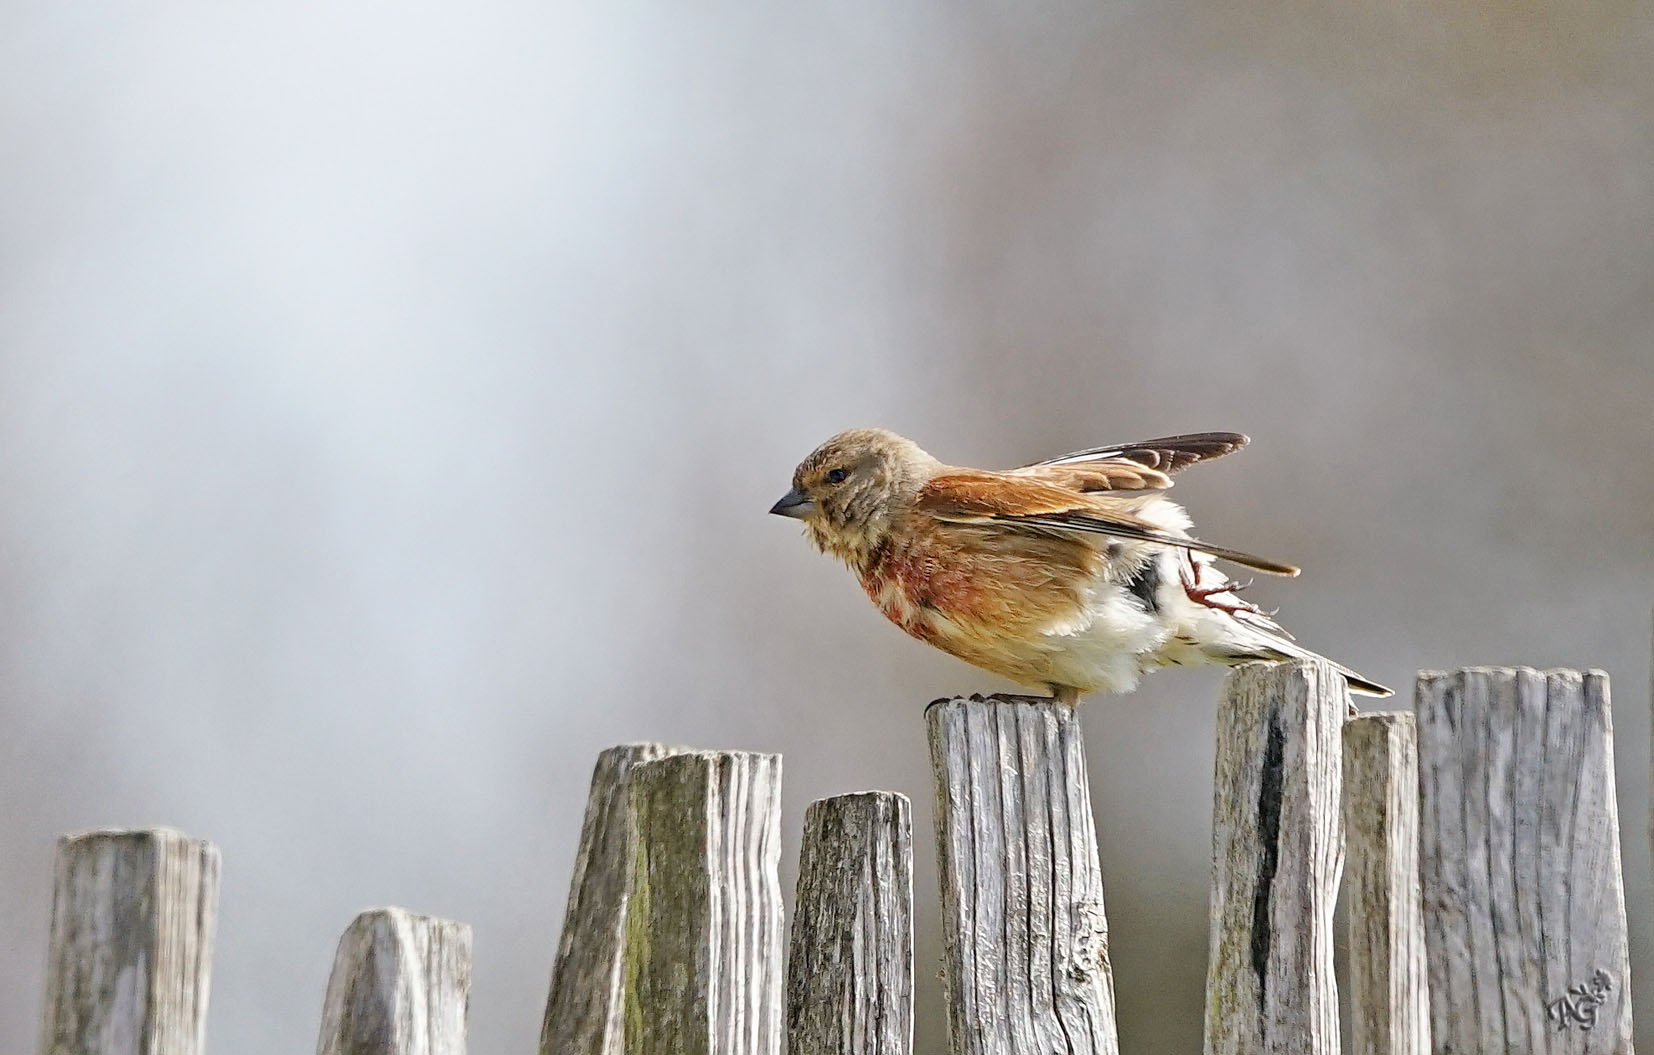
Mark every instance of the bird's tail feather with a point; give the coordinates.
(1278, 648)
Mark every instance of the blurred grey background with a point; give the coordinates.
(391, 395)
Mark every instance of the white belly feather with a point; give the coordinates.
(1135, 623)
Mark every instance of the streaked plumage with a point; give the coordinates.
(1074, 574)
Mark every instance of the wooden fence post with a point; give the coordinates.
(1277, 851)
(1520, 862)
(1381, 824)
(401, 984)
(1025, 937)
(850, 961)
(703, 931)
(585, 1005)
(133, 914)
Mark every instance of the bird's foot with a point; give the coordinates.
(1213, 596)
(996, 697)
(1064, 694)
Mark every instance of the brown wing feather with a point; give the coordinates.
(970, 496)
(1098, 476)
(975, 494)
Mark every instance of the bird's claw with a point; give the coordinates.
(1207, 595)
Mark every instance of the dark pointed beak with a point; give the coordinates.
(794, 504)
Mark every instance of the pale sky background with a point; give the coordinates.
(391, 395)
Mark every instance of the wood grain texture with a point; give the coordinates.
(133, 914)
(1277, 852)
(850, 960)
(1025, 938)
(1519, 855)
(585, 1006)
(401, 985)
(1381, 816)
(703, 932)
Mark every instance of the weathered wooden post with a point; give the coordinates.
(1381, 826)
(133, 914)
(585, 1005)
(401, 985)
(703, 955)
(850, 960)
(1520, 862)
(1025, 937)
(1277, 851)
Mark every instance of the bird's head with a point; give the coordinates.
(849, 490)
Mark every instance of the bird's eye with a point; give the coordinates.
(836, 476)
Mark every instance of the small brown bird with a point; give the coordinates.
(1073, 574)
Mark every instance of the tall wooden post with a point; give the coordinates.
(585, 1006)
(703, 930)
(1025, 936)
(133, 914)
(401, 985)
(1381, 824)
(850, 961)
(1277, 852)
(1519, 860)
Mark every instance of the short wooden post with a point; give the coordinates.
(1025, 937)
(703, 931)
(1381, 825)
(1519, 857)
(133, 914)
(401, 984)
(1277, 851)
(585, 1005)
(850, 960)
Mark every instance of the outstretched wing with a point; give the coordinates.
(1018, 501)
(1164, 456)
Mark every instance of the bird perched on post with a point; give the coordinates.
(1072, 574)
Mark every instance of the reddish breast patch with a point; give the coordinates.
(938, 580)
(930, 583)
